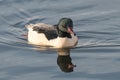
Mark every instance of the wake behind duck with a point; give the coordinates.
(59, 36)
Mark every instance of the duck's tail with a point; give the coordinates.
(29, 26)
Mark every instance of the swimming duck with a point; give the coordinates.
(57, 36)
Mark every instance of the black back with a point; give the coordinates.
(50, 34)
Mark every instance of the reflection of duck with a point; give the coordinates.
(60, 36)
(64, 60)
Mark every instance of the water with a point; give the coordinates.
(96, 22)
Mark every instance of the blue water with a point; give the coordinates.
(96, 22)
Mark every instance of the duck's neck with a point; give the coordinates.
(64, 34)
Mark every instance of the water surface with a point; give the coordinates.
(96, 22)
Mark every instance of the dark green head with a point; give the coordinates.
(66, 25)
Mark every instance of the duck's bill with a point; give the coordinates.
(70, 30)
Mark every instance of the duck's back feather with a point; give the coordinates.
(48, 30)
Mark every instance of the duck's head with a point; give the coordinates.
(66, 25)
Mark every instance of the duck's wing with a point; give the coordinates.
(49, 30)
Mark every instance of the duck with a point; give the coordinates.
(57, 36)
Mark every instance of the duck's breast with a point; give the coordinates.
(64, 42)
